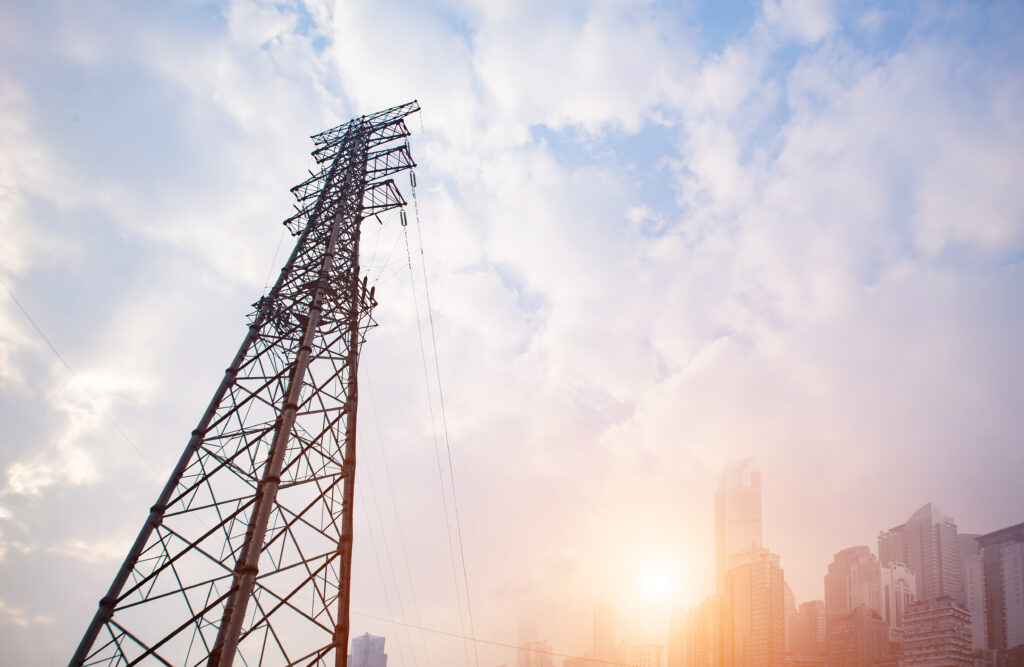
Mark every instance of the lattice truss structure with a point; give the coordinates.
(247, 552)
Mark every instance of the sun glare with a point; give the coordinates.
(658, 582)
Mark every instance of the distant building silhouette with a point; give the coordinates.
(1003, 561)
(530, 652)
(647, 655)
(700, 636)
(809, 638)
(854, 580)
(676, 649)
(535, 654)
(857, 639)
(790, 613)
(753, 611)
(972, 584)
(737, 515)
(937, 632)
(899, 591)
(368, 651)
(927, 543)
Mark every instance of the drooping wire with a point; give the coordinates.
(492, 642)
(99, 407)
(444, 415)
(437, 447)
(394, 505)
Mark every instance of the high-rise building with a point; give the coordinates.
(535, 654)
(527, 635)
(648, 655)
(737, 515)
(972, 585)
(604, 632)
(1003, 561)
(937, 633)
(701, 639)
(899, 591)
(857, 639)
(853, 580)
(810, 636)
(368, 651)
(676, 649)
(753, 611)
(927, 544)
(790, 614)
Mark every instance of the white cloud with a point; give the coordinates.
(21, 618)
(808, 21)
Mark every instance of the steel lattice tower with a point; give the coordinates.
(248, 550)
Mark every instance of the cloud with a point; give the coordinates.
(827, 282)
(21, 618)
(808, 21)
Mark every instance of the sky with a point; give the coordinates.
(658, 237)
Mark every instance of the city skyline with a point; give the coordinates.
(868, 604)
(648, 239)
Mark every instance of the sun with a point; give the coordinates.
(658, 582)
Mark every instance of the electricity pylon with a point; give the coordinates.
(247, 551)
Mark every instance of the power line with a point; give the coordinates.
(491, 642)
(64, 361)
(444, 416)
(437, 448)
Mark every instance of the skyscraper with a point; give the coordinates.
(937, 633)
(853, 580)
(527, 637)
(810, 637)
(790, 611)
(1003, 556)
(737, 515)
(899, 591)
(701, 639)
(972, 583)
(927, 543)
(676, 653)
(753, 611)
(857, 639)
(368, 651)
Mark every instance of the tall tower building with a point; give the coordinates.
(1003, 558)
(753, 611)
(790, 612)
(853, 580)
(368, 651)
(701, 638)
(676, 650)
(927, 543)
(972, 583)
(737, 515)
(527, 638)
(899, 591)
(810, 637)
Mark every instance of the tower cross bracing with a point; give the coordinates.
(247, 551)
